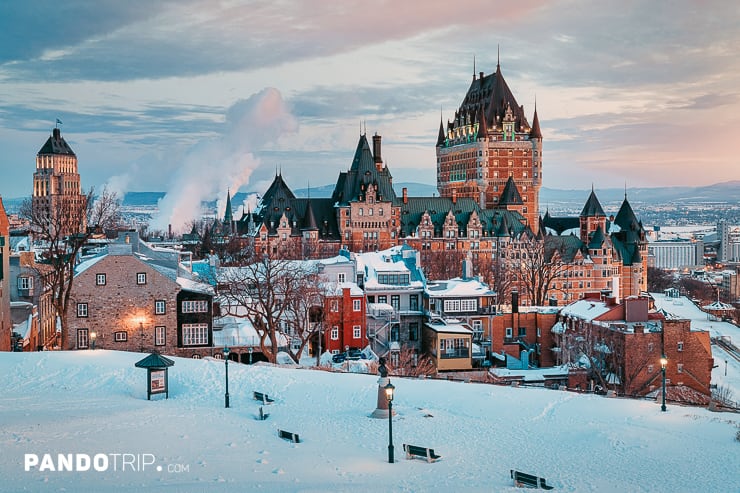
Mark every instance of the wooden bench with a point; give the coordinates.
(286, 435)
(259, 396)
(263, 415)
(524, 480)
(421, 452)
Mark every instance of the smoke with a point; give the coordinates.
(211, 167)
(119, 184)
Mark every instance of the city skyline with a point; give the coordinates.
(194, 100)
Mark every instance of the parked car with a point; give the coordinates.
(354, 354)
(339, 358)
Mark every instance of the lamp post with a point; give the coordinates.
(389, 395)
(663, 364)
(226, 356)
(93, 337)
(249, 350)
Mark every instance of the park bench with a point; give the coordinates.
(286, 435)
(259, 396)
(421, 452)
(524, 480)
(263, 415)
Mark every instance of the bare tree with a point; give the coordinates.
(304, 313)
(442, 264)
(658, 280)
(275, 295)
(89, 215)
(409, 363)
(540, 262)
(497, 275)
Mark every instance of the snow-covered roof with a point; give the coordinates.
(585, 309)
(83, 266)
(532, 375)
(336, 288)
(449, 328)
(458, 287)
(237, 331)
(390, 261)
(718, 306)
(195, 286)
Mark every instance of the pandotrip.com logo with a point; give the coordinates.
(100, 462)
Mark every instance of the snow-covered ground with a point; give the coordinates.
(94, 402)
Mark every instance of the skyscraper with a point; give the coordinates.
(57, 195)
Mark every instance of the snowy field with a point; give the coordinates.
(93, 403)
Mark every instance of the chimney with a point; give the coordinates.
(377, 159)
(405, 195)
(639, 329)
(481, 75)
(515, 301)
(454, 196)
(169, 229)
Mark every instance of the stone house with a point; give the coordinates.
(122, 302)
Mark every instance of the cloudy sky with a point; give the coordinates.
(200, 96)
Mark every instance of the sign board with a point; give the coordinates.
(158, 381)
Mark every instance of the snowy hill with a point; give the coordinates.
(94, 402)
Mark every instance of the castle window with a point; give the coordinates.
(141, 278)
(361, 211)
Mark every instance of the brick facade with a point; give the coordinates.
(128, 304)
(5, 321)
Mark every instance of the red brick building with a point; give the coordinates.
(345, 322)
(623, 344)
(5, 320)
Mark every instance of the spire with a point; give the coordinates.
(441, 137)
(473, 66)
(510, 195)
(535, 132)
(498, 57)
(228, 216)
(482, 126)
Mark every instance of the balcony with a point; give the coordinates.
(455, 353)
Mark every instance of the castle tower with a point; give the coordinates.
(488, 142)
(57, 195)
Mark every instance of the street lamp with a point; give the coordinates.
(93, 336)
(249, 350)
(389, 395)
(226, 356)
(663, 364)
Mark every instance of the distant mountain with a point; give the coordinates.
(725, 192)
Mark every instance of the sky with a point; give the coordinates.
(93, 404)
(196, 97)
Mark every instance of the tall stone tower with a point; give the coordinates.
(57, 197)
(488, 143)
